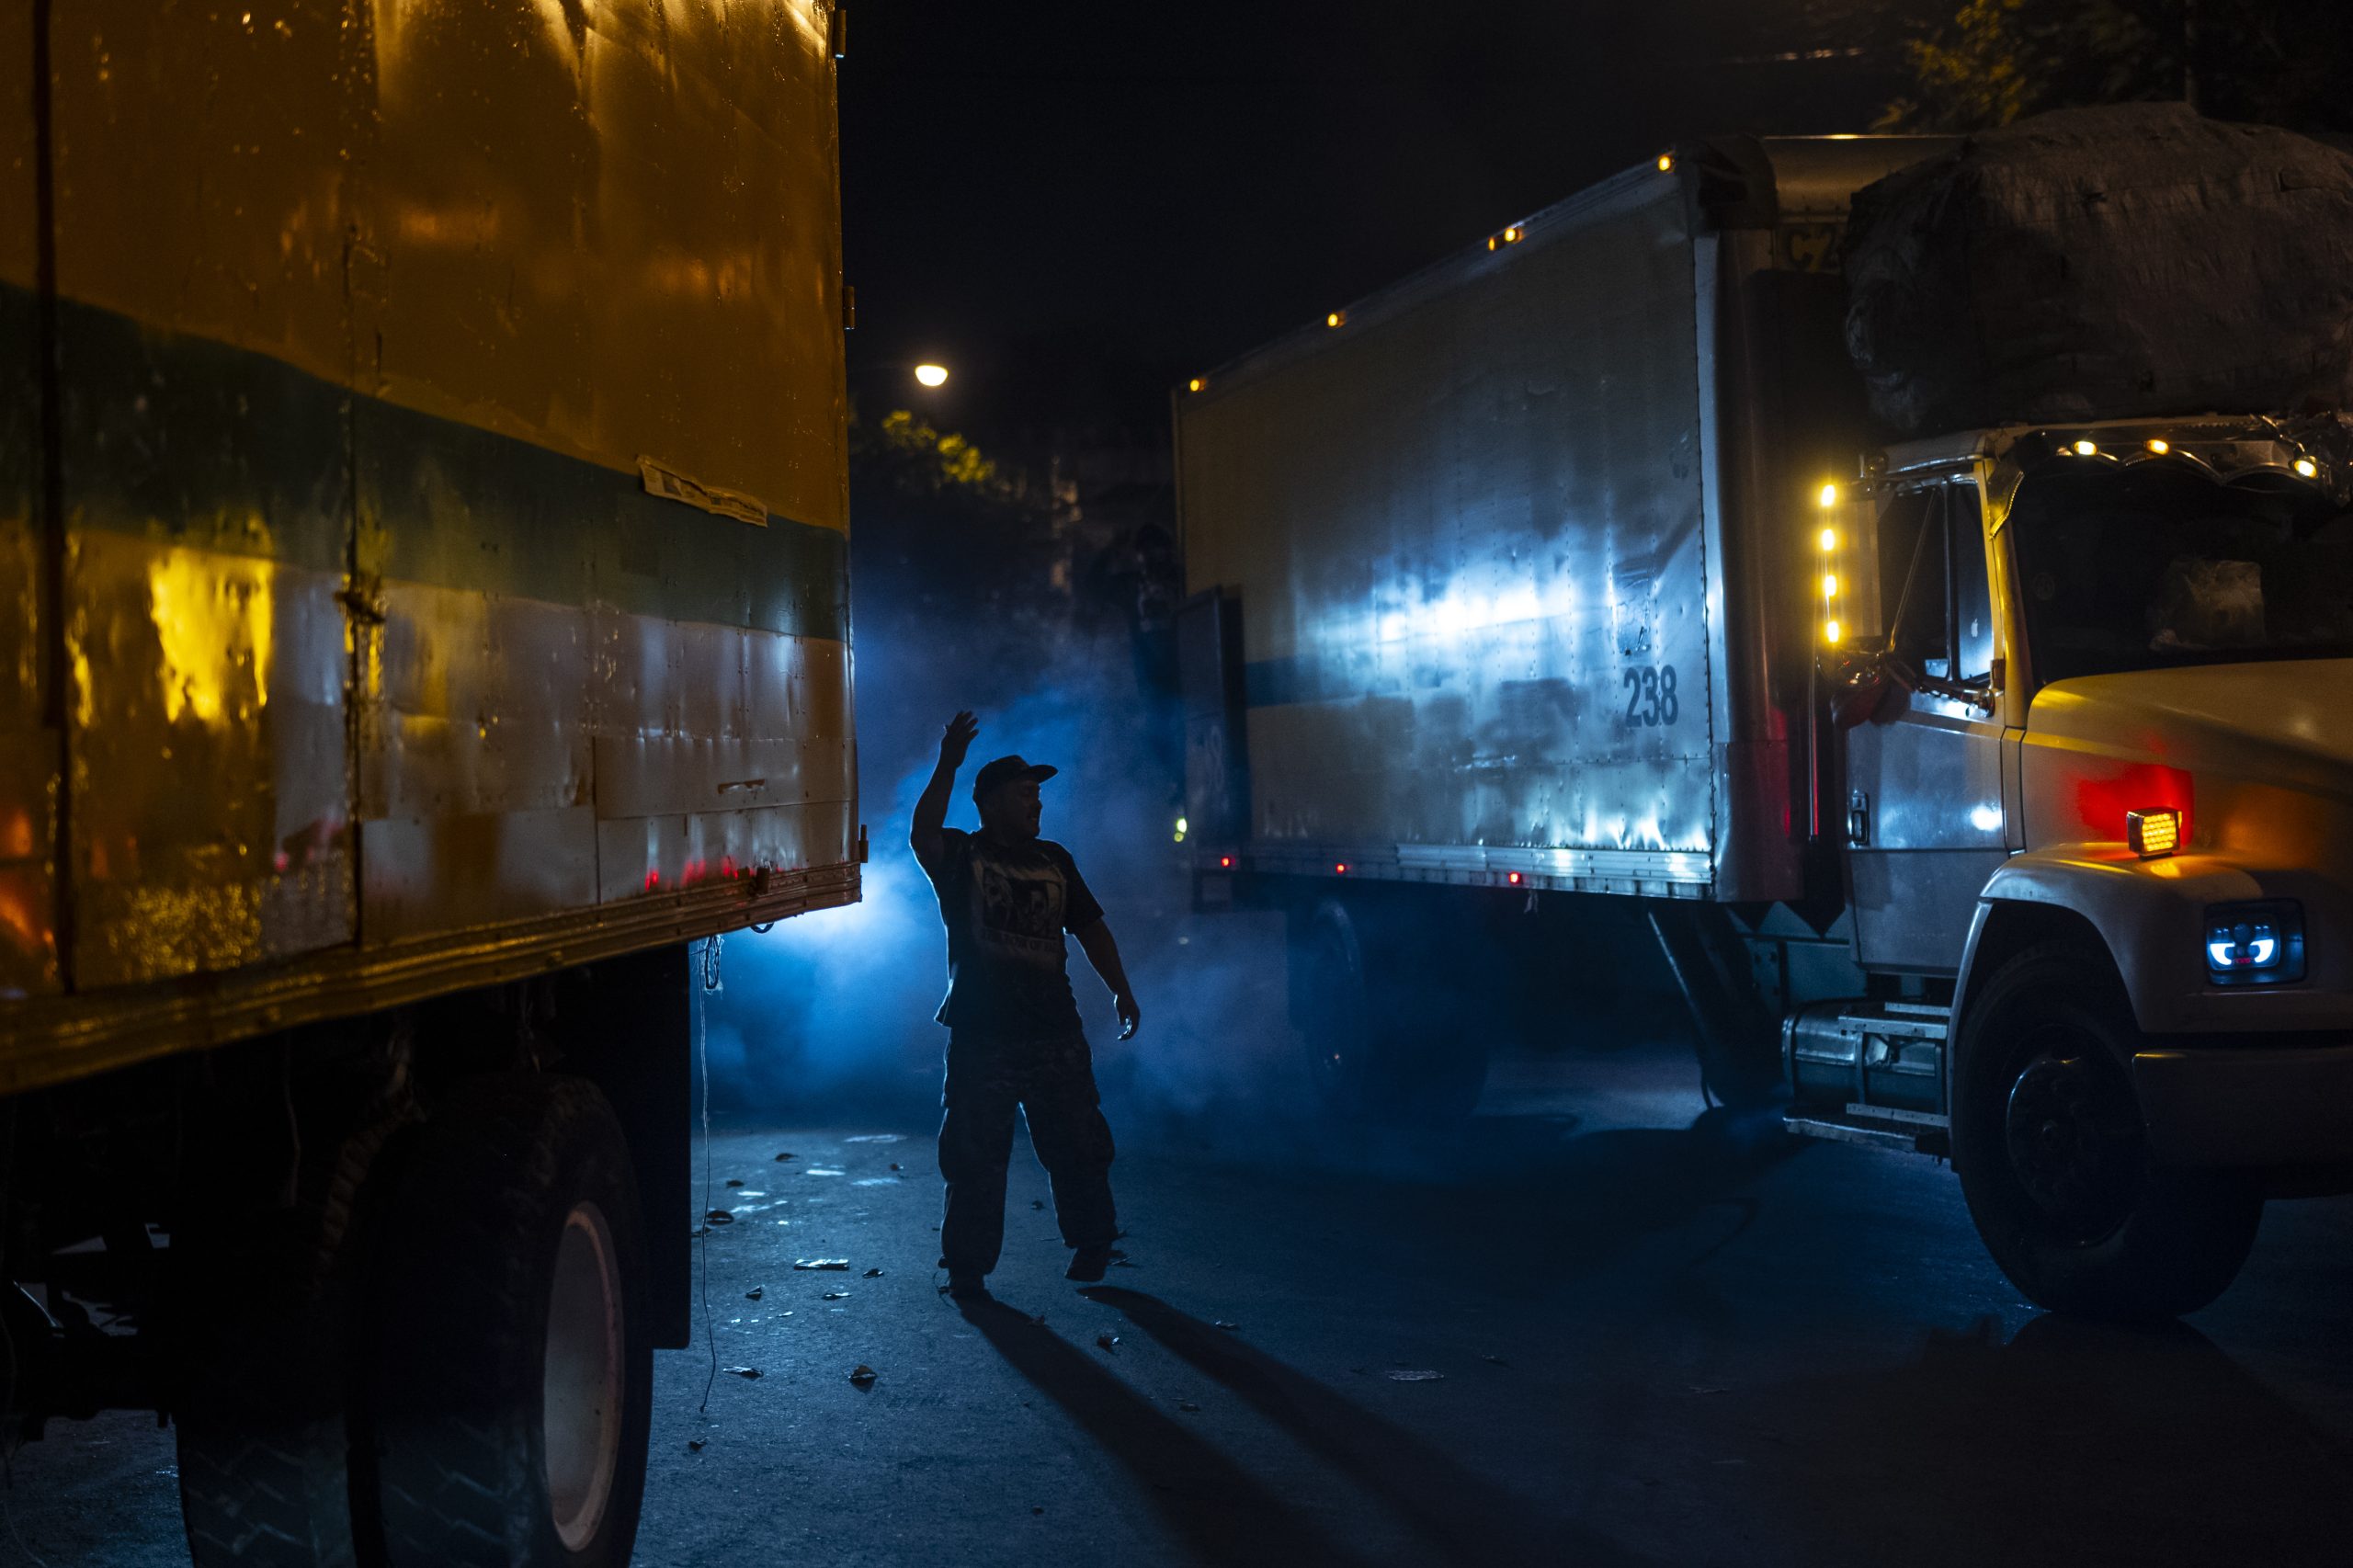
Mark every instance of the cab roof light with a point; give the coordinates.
(1196, 385)
(2088, 449)
(2154, 831)
(1336, 318)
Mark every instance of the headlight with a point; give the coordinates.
(2255, 944)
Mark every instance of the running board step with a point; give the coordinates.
(1904, 1133)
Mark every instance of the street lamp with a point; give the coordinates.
(932, 375)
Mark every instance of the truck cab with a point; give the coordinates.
(2088, 685)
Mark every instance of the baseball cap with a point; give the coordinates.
(1006, 770)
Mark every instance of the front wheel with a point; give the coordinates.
(2054, 1157)
(513, 1362)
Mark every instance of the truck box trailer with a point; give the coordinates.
(423, 573)
(1573, 584)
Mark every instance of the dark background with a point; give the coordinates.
(1076, 205)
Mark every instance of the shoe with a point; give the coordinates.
(971, 1286)
(1088, 1264)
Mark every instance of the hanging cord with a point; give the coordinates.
(710, 983)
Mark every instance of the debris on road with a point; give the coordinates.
(895, 1165)
(1037, 1203)
(781, 1158)
(835, 1296)
(1188, 1407)
(1035, 1509)
(755, 1292)
(1415, 1377)
(1229, 1327)
(695, 1445)
(810, 1263)
(733, 1182)
(720, 1217)
(749, 1374)
(873, 1138)
(862, 1374)
(1107, 1339)
(1495, 1360)
(871, 1274)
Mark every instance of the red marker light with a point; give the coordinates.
(1225, 862)
(1342, 868)
(652, 881)
(1514, 879)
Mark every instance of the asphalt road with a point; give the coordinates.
(1593, 1327)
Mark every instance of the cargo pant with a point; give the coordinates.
(1052, 1083)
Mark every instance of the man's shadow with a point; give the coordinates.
(1218, 1509)
(1458, 1515)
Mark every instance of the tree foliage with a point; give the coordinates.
(2275, 61)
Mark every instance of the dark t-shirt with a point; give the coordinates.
(1007, 906)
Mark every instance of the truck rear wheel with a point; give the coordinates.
(1386, 1039)
(513, 1373)
(2054, 1158)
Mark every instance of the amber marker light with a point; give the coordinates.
(2088, 449)
(1336, 318)
(1196, 385)
(2159, 445)
(1829, 496)
(1830, 585)
(1829, 540)
(1666, 163)
(1831, 632)
(2306, 468)
(2154, 831)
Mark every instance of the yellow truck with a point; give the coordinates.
(423, 583)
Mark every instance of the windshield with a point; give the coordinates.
(2159, 565)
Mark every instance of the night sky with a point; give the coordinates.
(1075, 204)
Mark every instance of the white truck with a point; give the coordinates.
(1962, 702)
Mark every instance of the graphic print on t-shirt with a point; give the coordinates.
(1017, 910)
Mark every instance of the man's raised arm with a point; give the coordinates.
(931, 807)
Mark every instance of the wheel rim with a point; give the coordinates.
(584, 1383)
(2075, 1138)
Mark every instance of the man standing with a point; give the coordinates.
(1014, 1037)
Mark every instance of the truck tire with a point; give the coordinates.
(1384, 1038)
(266, 1427)
(2054, 1158)
(512, 1368)
(262, 1436)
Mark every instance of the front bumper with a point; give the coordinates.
(2248, 1106)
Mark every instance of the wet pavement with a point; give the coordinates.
(1595, 1326)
